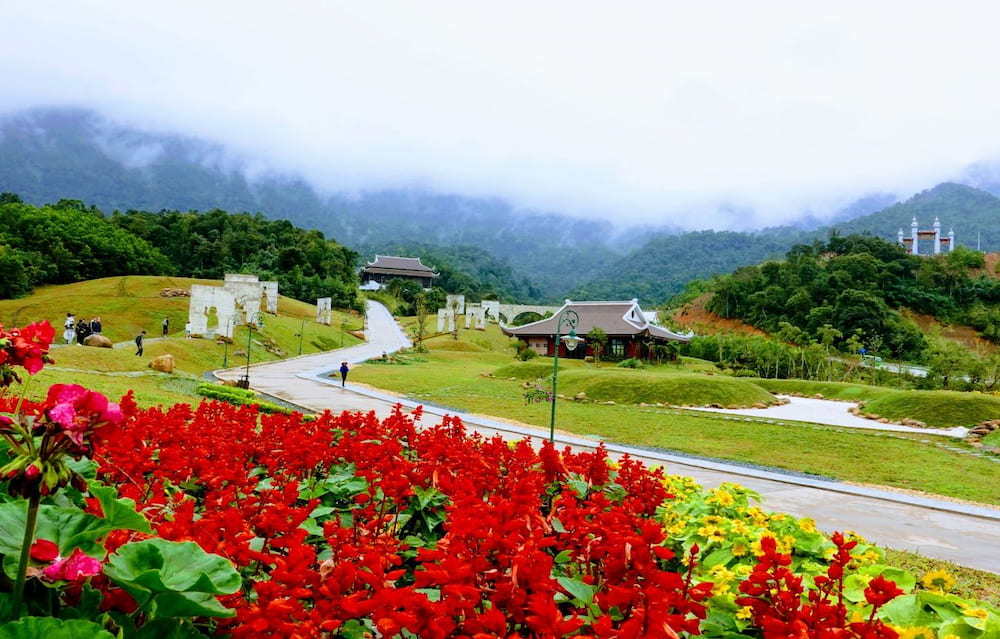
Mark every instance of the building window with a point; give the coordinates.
(616, 348)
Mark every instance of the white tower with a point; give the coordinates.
(914, 248)
(937, 236)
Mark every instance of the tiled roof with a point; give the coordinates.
(399, 266)
(614, 318)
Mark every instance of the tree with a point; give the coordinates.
(597, 339)
(947, 361)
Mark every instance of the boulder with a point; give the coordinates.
(581, 396)
(99, 341)
(163, 363)
(175, 292)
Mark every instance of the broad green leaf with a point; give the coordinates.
(53, 628)
(173, 579)
(158, 566)
(579, 590)
(119, 513)
(68, 528)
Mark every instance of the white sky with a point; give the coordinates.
(652, 111)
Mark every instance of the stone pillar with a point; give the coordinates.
(324, 313)
(951, 240)
(914, 248)
(442, 314)
(937, 236)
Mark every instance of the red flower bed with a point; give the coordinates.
(347, 525)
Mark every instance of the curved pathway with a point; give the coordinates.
(963, 533)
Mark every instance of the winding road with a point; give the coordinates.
(966, 534)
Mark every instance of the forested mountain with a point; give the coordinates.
(854, 288)
(48, 155)
(972, 213)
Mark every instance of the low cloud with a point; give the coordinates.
(718, 116)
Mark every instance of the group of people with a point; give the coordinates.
(80, 329)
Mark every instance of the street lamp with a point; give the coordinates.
(225, 341)
(570, 319)
(252, 320)
(302, 330)
(343, 331)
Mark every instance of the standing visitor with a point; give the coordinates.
(95, 325)
(343, 373)
(166, 326)
(187, 330)
(69, 328)
(82, 331)
(138, 344)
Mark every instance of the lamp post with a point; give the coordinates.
(225, 341)
(302, 330)
(252, 320)
(343, 331)
(570, 319)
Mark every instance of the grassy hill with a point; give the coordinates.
(130, 304)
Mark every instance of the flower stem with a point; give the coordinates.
(22, 566)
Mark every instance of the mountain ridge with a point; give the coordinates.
(51, 154)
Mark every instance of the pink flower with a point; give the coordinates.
(80, 411)
(76, 567)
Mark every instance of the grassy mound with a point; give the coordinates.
(829, 390)
(658, 386)
(938, 409)
(632, 387)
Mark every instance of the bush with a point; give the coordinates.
(239, 397)
(631, 362)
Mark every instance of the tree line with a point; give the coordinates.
(70, 242)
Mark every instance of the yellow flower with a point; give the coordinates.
(709, 531)
(917, 632)
(745, 612)
(722, 497)
(739, 549)
(807, 525)
(938, 580)
(712, 520)
(969, 611)
(720, 588)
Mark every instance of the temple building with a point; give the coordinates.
(386, 267)
(932, 238)
(627, 327)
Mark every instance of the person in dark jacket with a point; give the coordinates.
(343, 373)
(95, 326)
(82, 331)
(138, 343)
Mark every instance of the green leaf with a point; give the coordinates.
(52, 628)
(579, 590)
(120, 513)
(173, 578)
(68, 528)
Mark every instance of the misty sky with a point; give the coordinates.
(662, 112)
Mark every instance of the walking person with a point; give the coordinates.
(343, 374)
(138, 343)
(166, 326)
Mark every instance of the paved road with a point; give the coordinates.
(965, 534)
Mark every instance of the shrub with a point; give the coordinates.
(631, 362)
